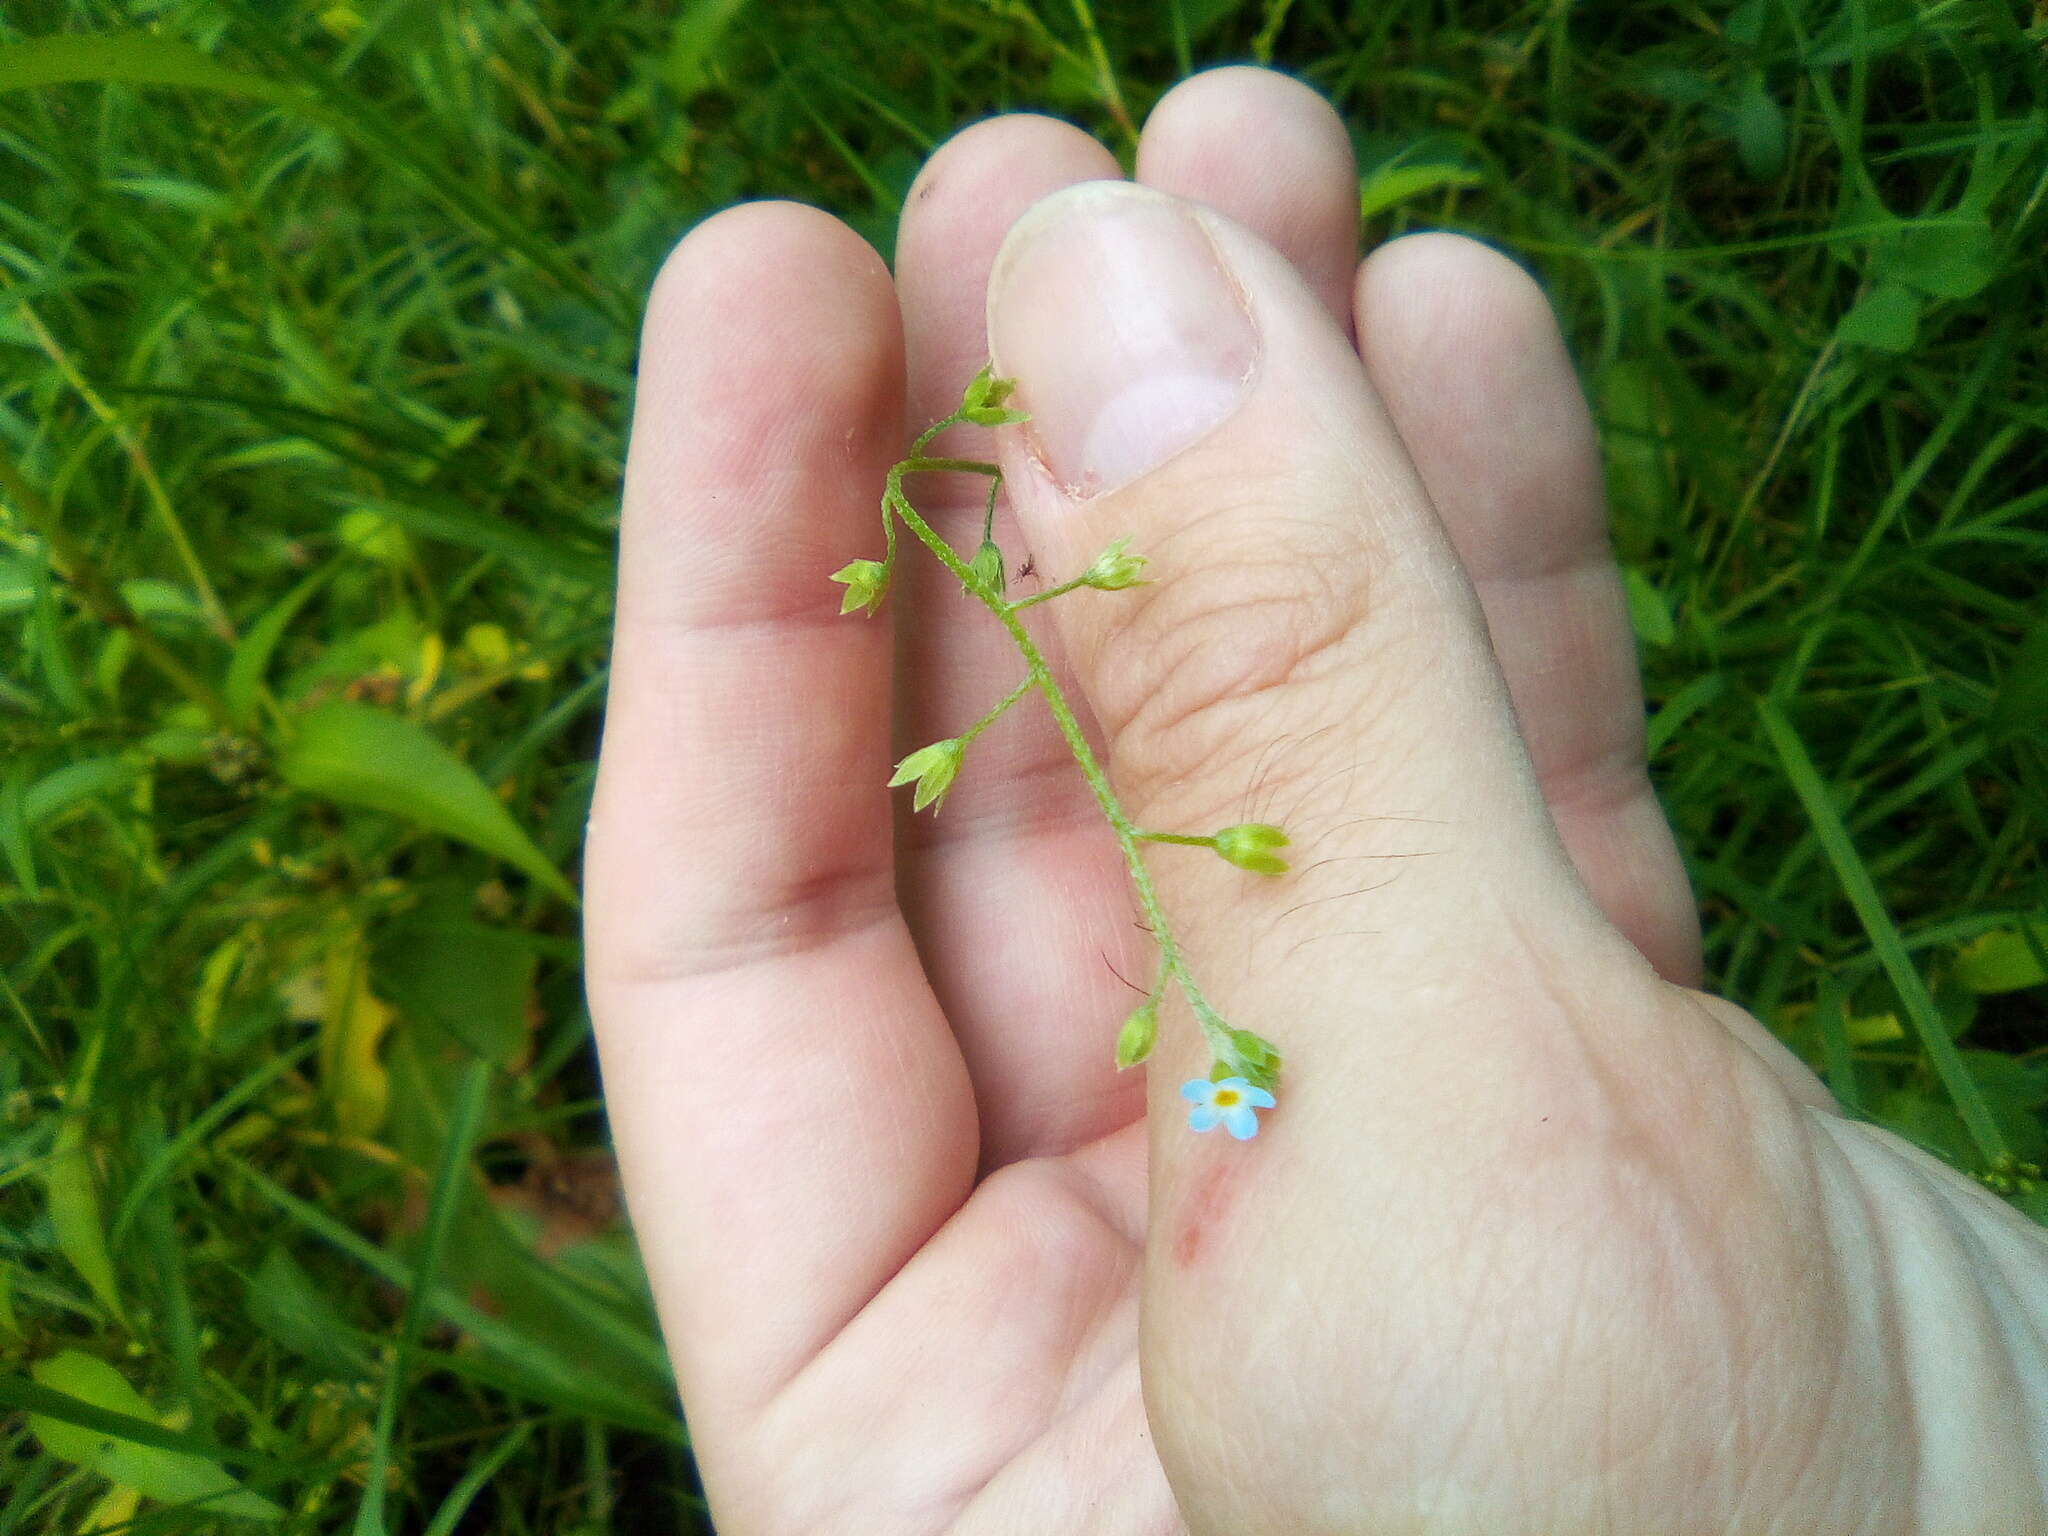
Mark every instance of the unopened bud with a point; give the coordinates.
(1134, 1040)
(987, 569)
(1250, 845)
(1114, 570)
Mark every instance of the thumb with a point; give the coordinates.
(1307, 651)
(1491, 1110)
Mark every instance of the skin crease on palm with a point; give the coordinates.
(1537, 1240)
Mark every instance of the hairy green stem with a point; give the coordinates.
(1221, 1046)
(996, 714)
(1050, 593)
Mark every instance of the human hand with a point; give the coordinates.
(1537, 1240)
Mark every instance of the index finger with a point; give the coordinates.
(791, 1114)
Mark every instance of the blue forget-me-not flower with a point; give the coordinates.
(1230, 1104)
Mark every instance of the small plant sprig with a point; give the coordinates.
(1245, 1067)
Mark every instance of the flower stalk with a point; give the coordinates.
(1236, 1054)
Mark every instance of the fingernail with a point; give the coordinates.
(1128, 339)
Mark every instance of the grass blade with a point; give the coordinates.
(464, 1117)
(1863, 895)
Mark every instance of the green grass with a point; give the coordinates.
(316, 340)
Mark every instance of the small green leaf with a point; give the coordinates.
(1648, 613)
(1950, 257)
(251, 658)
(2005, 959)
(170, 1476)
(1887, 319)
(59, 790)
(1393, 183)
(355, 755)
(699, 29)
(74, 1199)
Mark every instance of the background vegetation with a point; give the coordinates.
(316, 338)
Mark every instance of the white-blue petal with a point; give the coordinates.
(1234, 1082)
(1200, 1089)
(1241, 1122)
(1203, 1117)
(1258, 1097)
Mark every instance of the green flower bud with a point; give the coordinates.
(1134, 1040)
(987, 570)
(867, 583)
(1114, 570)
(1258, 1061)
(982, 403)
(934, 768)
(1250, 845)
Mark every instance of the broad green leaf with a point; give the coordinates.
(126, 58)
(1948, 258)
(467, 979)
(170, 1476)
(356, 755)
(1390, 184)
(2003, 960)
(1887, 319)
(699, 29)
(2021, 708)
(283, 1301)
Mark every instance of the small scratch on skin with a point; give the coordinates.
(1215, 1190)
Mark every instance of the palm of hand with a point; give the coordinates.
(1569, 1247)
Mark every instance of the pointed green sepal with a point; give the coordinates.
(983, 401)
(934, 768)
(1114, 570)
(867, 583)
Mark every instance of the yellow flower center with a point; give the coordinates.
(1225, 1097)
